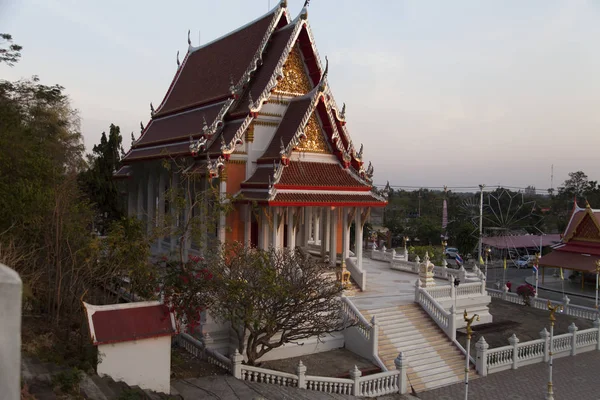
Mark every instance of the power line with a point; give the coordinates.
(476, 188)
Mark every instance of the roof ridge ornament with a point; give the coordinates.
(178, 62)
(151, 110)
(325, 72)
(204, 124)
(141, 126)
(189, 40)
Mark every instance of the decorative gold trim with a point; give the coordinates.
(266, 123)
(314, 141)
(250, 134)
(278, 101)
(268, 114)
(237, 162)
(223, 175)
(295, 81)
(286, 93)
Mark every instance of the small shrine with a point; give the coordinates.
(426, 272)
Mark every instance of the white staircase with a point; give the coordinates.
(433, 360)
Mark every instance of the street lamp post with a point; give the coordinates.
(552, 309)
(469, 321)
(487, 254)
(597, 272)
(537, 270)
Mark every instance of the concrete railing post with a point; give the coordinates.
(504, 292)
(573, 331)
(544, 334)
(514, 342)
(452, 323)
(417, 289)
(236, 363)
(481, 347)
(462, 274)
(566, 301)
(374, 337)
(597, 326)
(355, 374)
(11, 289)
(401, 365)
(301, 372)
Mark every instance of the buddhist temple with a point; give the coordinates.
(253, 113)
(579, 248)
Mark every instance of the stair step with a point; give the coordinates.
(405, 347)
(103, 386)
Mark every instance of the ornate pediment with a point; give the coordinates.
(295, 80)
(587, 229)
(313, 139)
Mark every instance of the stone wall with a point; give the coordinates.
(10, 334)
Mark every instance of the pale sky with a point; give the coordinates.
(453, 93)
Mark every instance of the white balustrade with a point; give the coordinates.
(263, 375)
(380, 384)
(536, 351)
(198, 349)
(329, 385)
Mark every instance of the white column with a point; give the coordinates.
(307, 225)
(327, 228)
(151, 203)
(222, 220)
(291, 232)
(248, 225)
(275, 229)
(173, 210)
(317, 224)
(359, 238)
(140, 199)
(333, 237)
(323, 232)
(161, 208)
(344, 234)
(131, 199)
(11, 288)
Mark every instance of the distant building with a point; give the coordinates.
(134, 342)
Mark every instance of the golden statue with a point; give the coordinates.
(552, 310)
(469, 322)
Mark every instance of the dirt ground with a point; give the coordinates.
(184, 366)
(525, 322)
(334, 363)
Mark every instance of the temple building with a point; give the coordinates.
(253, 112)
(579, 248)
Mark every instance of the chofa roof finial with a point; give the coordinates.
(325, 71)
(282, 147)
(178, 62)
(141, 126)
(151, 109)
(189, 40)
(132, 138)
(343, 113)
(306, 3)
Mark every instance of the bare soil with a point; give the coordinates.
(525, 322)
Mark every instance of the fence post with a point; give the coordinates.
(374, 337)
(355, 374)
(417, 289)
(462, 274)
(597, 326)
(444, 268)
(452, 323)
(301, 372)
(504, 292)
(514, 342)
(573, 331)
(544, 334)
(566, 301)
(481, 347)
(401, 366)
(236, 364)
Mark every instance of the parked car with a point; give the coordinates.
(524, 261)
(450, 252)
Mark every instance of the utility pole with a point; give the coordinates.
(480, 219)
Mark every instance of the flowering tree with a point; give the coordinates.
(273, 297)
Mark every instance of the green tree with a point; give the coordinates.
(97, 181)
(10, 53)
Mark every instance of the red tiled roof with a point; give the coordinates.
(170, 150)
(228, 132)
(261, 78)
(568, 260)
(326, 199)
(123, 172)
(131, 323)
(575, 246)
(259, 178)
(206, 73)
(288, 126)
(180, 126)
(315, 175)
(249, 195)
(520, 241)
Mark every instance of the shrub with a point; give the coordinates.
(68, 381)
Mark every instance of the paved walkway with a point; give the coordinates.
(558, 285)
(386, 287)
(573, 377)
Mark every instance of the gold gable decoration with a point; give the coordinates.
(587, 230)
(295, 81)
(315, 140)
